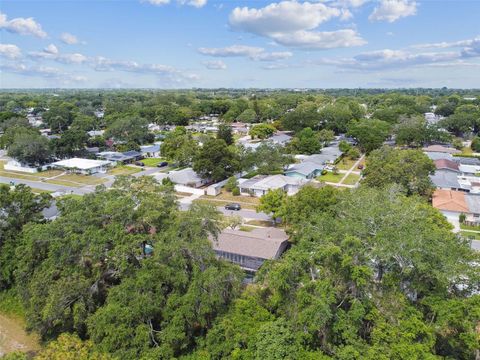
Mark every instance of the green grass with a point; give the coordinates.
(152, 162)
(469, 227)
(223, 203)
(81, 179)
(40, 191)
(470, 235)
(124, 170)
(63, 183)
(246, 228)
(71, 196)
(263, 223)
(10, 303)
(351, 179)
(345, 164)
(330, 177)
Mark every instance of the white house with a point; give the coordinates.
(187, 177)
(150, 150)
(259, 185)
(83, 166)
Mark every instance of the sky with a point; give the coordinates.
(239, 44)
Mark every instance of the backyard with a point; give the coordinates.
(331, 177)
(351, 179)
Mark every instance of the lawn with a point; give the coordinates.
(469, 227)
(82, 179)
(40, 191)
(224, 195)
(470, 235)
(246, 228)
(467, 151)
(152, 162)
(222, 203)
(345, 164)
(330, 177)
(351, 179)
(63, 183)
(124, 170)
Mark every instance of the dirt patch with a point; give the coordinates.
(13, 336)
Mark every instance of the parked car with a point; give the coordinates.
(233, 206)
(139, 163)
(162, 164)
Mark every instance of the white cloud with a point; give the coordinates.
(392, 10)
(51, 49)
(69, 39)
(10, 51)
(215, 65)
(57, 75)
(251, 52)
(349, 3)
(445, 44)
(282, 17)
(291, 23)
(22, 26)
(157, 2)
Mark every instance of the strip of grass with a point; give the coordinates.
(263, 223)
(470, 235)
(40, 191)
(345, 164)
(63, 183)
(246, 228)
(81, 179)
(223, 203)
(330, 177)
(124, 170)
(469, 227)
(152, 162)
(351, 179)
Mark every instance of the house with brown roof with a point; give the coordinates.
(447, 165)
(250, 249)
(453, 203)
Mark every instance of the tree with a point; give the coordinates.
(231, 184)
(129, 129)
(225, 133)
(18, 206)
(326, 136)
(370, 133)
(305, 142)
(216, 161)
(272, 203)
(30, 148)
(262, 131)
(344, 146)
(305, 115)
(268, 159)
(475, 146)
(248, 116)
(179, 147)
(233, 221)
(408, 168)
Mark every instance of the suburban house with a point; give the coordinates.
(453, 203)
(447, 165)
(304, 170)
(259, 185)
(438, 155)
(187, 177)
(250, 249)
(124, 158)
(441, 149)
(149, 151)
(83, 166)
(446, 180)
(93, 133)
(328, 155)
(280, 138)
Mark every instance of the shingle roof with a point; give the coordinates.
(446, 164)
(262, 243)
(450, 200)
(184, 176)
(445, 179)
(473, 203)
(441, 148)
(305, 168)
(438, 155)
(466, 160)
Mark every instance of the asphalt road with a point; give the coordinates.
(49, 187)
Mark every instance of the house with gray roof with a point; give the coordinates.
(304, 170)
(445, 180)
(250, 249)
(259, 185)
(432, 155)
(187, 177)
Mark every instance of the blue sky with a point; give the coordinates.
(214, 43)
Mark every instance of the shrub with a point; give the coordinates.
(235, 191)
(476, 144)
(462, 217)
(324, 172)
(231, 183)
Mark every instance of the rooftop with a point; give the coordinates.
(441, 148)
(262, 243)
(82, 164)
(450, 200)
(446, 164)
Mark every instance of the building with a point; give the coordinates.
(124, 158)
(447, 165)
(304, 170)
(83, 166)
(441, 149)
(259, 185)
(150, 150)
(438, 155)
(187, 177)
(250, 249)
(453, 203)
